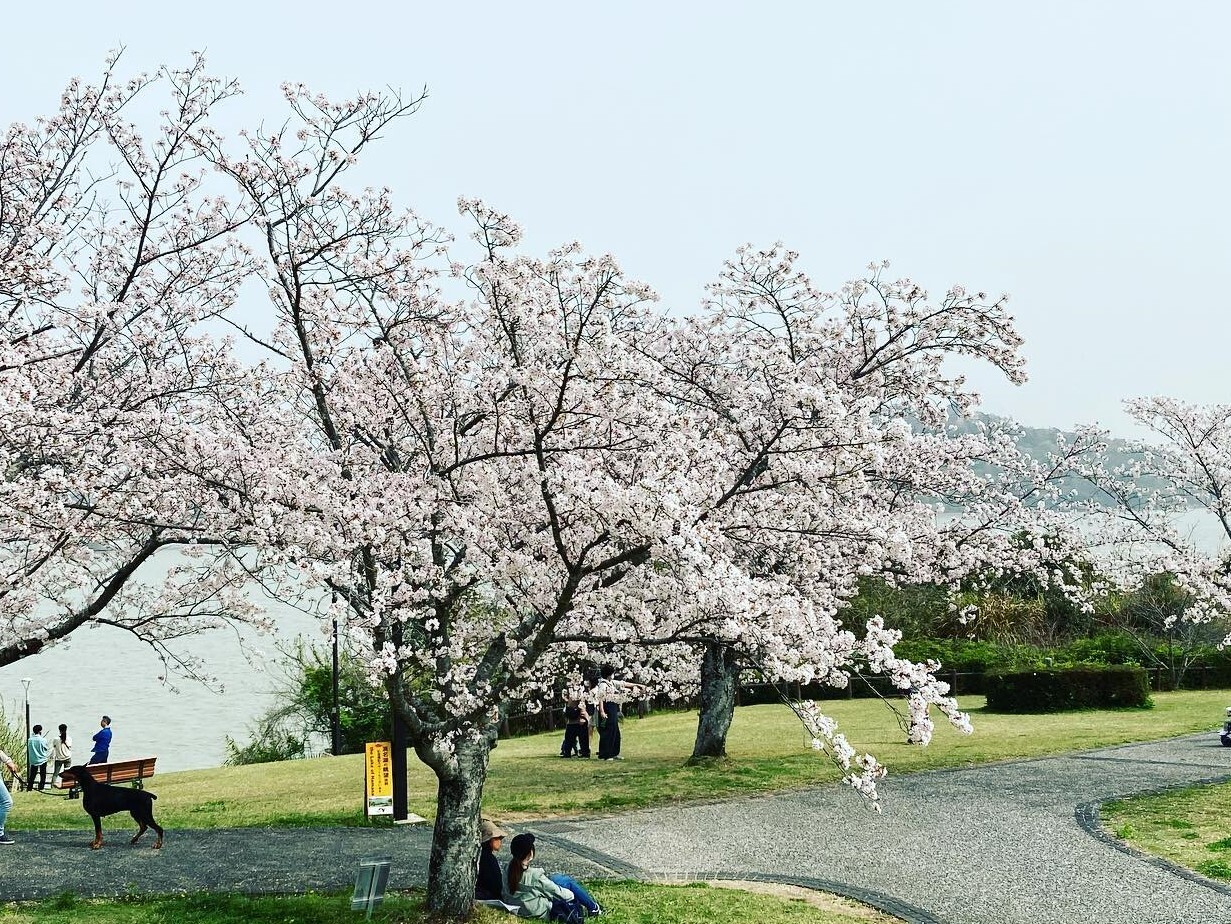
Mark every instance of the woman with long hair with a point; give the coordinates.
(554, 898)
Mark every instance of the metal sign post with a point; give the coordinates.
(370, 883)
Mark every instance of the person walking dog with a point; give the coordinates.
(6, 801)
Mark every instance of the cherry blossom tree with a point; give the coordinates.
(463, 474)
(827, 413)
(1165, 505)
(114, 256)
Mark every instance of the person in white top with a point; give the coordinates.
(608, 695)
(61, 753)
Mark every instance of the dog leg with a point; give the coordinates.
(98, 834)
(157, 830)
(140, 831)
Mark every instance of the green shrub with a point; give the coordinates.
(12, 735)
(270, 744)
(1074, 688)
(1105, 648)
(304, 706)
(969, 657)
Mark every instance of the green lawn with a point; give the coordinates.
(767, 748)
(625, 902)
(1190, 827)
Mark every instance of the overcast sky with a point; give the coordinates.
(1074, 154)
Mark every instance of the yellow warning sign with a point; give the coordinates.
(378, 779)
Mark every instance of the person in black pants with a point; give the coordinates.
(576, 730)
(608, 695)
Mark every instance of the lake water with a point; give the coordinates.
(101, 670)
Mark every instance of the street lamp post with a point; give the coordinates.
(335, 718)
(25, 682)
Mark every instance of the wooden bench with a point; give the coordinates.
(120, 771)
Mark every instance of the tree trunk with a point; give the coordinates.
(719, 678)
(455, 838)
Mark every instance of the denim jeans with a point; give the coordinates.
(6, 803)
(580, 895)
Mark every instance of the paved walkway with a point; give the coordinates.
(991, 845)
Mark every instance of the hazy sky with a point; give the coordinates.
(1074, 154)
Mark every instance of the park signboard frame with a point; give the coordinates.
(378, 779)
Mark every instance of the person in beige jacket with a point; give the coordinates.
(61, 753)
(536, 895)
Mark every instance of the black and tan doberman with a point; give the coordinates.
(101, 799)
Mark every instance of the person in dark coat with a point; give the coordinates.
(487, 884)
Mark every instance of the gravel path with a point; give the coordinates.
(991, 845)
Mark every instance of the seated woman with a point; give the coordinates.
(555, 898)
(487, 884)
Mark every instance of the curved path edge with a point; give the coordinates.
(1089, 818)
(877, 900)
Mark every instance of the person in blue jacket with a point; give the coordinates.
(102, 742)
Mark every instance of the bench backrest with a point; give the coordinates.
(120, 771)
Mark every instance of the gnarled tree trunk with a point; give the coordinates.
(719, 678)
(455, 838)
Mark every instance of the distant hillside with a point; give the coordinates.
(1042, 442)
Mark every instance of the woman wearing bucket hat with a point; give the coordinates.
(556, 897)
(487, 884)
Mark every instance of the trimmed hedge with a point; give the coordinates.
(1075, 688)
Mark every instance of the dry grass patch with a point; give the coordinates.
(834, 904)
